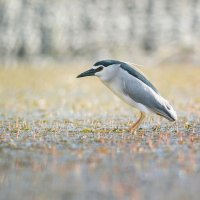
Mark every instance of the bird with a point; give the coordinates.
(132, 86)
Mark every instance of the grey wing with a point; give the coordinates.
(139, 75)
(142, 93)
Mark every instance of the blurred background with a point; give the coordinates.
(67, 138)
(145, 31)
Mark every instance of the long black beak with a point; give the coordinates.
(90, 72)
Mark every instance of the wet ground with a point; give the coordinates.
(67, 138)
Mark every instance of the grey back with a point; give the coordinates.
(131, 70)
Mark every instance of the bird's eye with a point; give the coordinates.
(99, 69)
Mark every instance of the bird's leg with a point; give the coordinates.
(134, 127)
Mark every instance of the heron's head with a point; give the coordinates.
(106, 70)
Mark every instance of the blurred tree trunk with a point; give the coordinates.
(30, 28)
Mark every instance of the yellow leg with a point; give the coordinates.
(134, 127)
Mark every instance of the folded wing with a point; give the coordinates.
(146, 95)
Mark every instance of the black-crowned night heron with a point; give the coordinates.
(133, 87)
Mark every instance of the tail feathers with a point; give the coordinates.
(167, 111)
(168, 115)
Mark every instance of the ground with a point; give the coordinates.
(68, 138)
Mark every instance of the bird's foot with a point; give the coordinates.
(135, 126)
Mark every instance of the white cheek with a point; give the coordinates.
(100, 74)
(108, 73)
(105, 75)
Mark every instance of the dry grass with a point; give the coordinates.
(67, 138)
